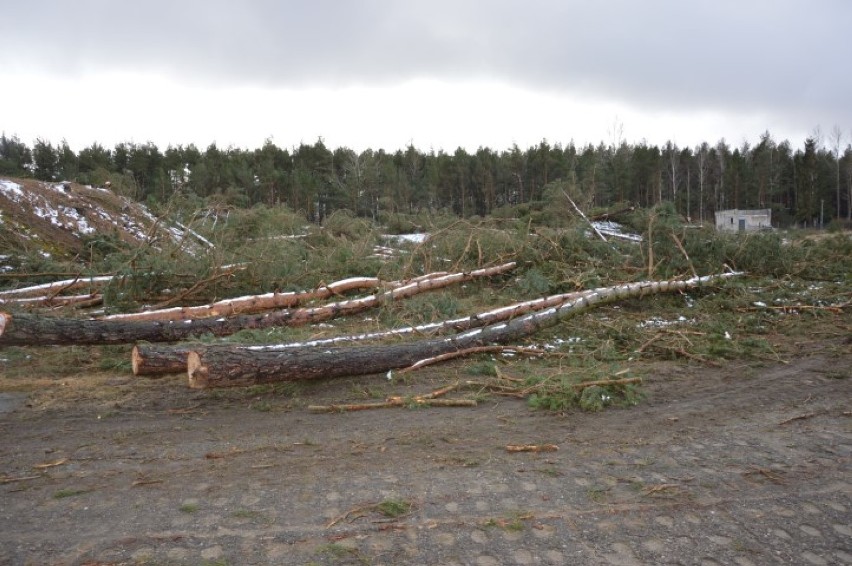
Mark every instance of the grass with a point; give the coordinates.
(189, 508)
(394, 508)
(513, 522)
(250, 515)
(337, 552)
(69, 492)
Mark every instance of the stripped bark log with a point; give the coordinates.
(580, 212)
(56, 301)
(32, 330)
(253, 303)
(156, 360)
(235, 367)
(56, 287)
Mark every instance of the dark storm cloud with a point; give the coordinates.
(785, 57)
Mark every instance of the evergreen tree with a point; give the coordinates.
(15, 157)
(46, 161)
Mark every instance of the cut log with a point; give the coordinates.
(580, 212)
(56, 300)
(32, 330)
(155, 360)
(269, 301)
(241, 366)
(56, 287)
(252, 303)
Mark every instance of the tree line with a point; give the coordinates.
(802, 186)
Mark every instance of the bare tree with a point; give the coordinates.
(673, 168)
(702, 152)
(721, 153)
(836, 138)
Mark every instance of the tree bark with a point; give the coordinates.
(158, 361)
(241, 366)
(32, 330)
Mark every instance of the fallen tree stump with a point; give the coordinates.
(240, 366)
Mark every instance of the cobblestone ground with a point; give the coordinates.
(742, 465)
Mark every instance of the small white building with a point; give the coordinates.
(743, 220)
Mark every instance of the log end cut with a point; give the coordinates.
(196, 371)
(135, 360)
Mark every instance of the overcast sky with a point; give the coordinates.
(438, 74)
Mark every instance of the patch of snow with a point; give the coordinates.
(657, 322)
(557, 343)
(615, 230)
(196, 235)
(12, 190)
(411, 238)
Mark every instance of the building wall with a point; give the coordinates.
(743, 220)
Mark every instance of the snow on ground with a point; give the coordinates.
(58, 215)
(64, 217)
(615, 230)
(410, 238)
(657, 322)
(77, 218)
(11, 190)
(390, 252)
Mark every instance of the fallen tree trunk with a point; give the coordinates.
(240, 366)
(269, 301)
(32, 330)
(157, 360)
(252, 303)
(56, 300)
(56, 287)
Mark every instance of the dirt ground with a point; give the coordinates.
(748, 463)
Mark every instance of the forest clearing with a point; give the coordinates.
(482, 388)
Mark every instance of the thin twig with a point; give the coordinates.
(21, 478)
(470, 351)
(531, 448)
(798, 418)
(606, 382)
